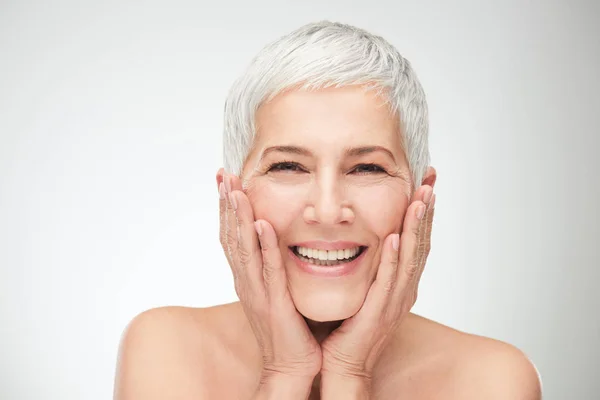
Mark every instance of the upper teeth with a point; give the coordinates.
(328, 254)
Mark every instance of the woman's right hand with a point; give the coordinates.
(288, 347)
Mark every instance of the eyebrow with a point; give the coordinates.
(349, 152)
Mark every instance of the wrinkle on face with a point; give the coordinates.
(324, 123)
(318, 128)
(334, 172)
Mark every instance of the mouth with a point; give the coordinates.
(328, 258)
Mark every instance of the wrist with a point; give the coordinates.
(282, 386)
(334, 386)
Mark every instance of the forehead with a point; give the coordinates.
(328, 116)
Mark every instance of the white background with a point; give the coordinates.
(110, 138)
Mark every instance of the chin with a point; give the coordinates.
(325, 306)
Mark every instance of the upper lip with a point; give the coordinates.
(322, 245)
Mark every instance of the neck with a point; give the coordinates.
(321, 330)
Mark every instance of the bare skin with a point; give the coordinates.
(334, 155)
(211, 353)
(188, 353)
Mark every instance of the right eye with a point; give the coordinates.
(285, 166)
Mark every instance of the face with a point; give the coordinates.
(328, 172)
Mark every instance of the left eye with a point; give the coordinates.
(368, 168)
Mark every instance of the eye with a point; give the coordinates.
(368, 169)
(285, 166)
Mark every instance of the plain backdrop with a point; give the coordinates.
(110, 138)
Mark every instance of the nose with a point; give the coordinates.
(327, 204)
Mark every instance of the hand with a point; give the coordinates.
(352, 350)
(288, 346)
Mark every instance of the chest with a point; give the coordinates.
(425, 382)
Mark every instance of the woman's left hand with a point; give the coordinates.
(352, 350)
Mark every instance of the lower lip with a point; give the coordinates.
(325, 271)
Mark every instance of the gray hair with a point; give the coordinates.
(320, 55)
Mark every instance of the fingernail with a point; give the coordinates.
(221, 191)
(420, 211)
(396, 241)
(227, 184)
(233, 201)
(258, 228)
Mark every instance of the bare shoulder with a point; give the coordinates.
(459, 365)
(167, 352)
(495, 370)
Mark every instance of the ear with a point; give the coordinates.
(220, 176)
(430, 177)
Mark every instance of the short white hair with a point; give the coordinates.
(320, 55)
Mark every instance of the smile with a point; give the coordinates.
(327, 257)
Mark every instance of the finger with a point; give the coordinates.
(388, 266)
(384, 285)
(222, 208)
(249, 257)
(230, 226)
(230, 231)
(426, 239)
(223, 221)
(220, 175)
(409, 246)
(421, 193)
(274, 277)
(234, 182)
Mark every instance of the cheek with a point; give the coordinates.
(381, 208)
(280, 205)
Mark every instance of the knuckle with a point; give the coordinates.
(238, 219)
(231, 239)
(411, 269)
(266, 261)
(389, 286)
(244, 255)
(264, 247)
(417, 230)
(419, 226)
(268, 274)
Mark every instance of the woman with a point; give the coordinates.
(326, 214)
